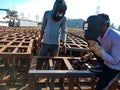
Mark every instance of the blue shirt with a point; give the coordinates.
(53, 30)
(111, 44)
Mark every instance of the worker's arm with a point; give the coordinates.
(64, 34)
(112, 58)
(44, 23)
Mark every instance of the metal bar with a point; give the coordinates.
(52, 79)
(51, 64)
(60, 73)
(69, 66)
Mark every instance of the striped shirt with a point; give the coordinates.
(111, 44)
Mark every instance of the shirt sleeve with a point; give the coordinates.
(44, 21)
(114, 56)
(64, 30)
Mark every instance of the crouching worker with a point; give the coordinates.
(53, 27)
(104, 42)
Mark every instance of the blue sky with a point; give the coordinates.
(11, 3)
(76, 8)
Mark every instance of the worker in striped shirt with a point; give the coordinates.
(104, 42)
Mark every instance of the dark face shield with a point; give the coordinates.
(93, 27)
(59, 10)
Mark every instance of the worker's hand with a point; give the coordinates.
(96, 48)
(63, 48)
(92, 43)
(39, 44)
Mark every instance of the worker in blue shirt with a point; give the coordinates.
(53, 29)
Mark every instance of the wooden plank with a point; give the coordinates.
(15, 50)
(69, 66)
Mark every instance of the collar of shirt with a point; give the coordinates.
(106, 33)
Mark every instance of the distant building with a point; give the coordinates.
(4, 24)
(75, 23)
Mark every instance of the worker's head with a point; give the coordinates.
(96, 26)
(106, 23)
(106, 17)
(59, 10)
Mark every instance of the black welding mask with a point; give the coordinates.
(59, 10)
(93, 27)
